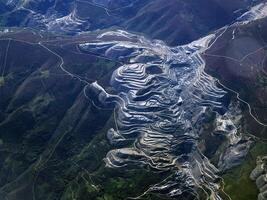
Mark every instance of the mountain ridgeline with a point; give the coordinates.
(133, 99)
(174, 21)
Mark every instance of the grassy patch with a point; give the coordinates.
(237, 182)
(40, 102)
(2, 81)
(5, 79)
(45, 74)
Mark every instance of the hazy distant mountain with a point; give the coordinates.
(175, 21)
